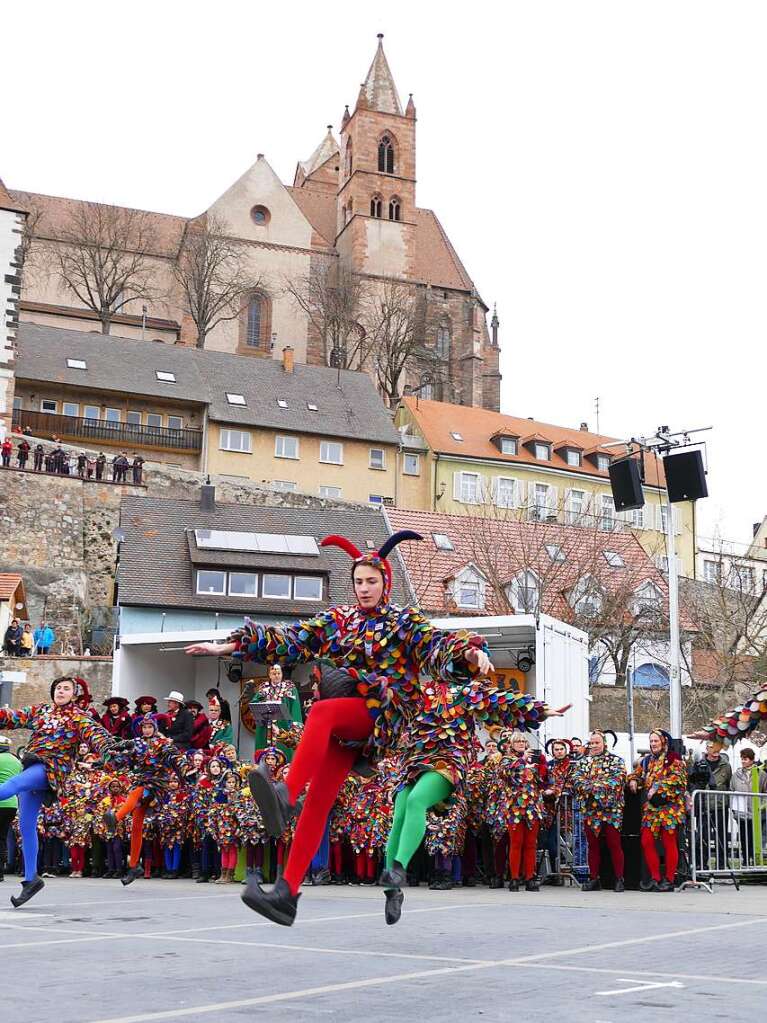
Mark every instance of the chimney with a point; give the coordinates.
(287, 359)
(585, 427)
(207, 496)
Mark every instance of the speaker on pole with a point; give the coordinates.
(626, 484)
(685, 476)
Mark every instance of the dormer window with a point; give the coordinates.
(469, 589)
(508, 445)
(573, 458)
(542, 451)
(603, 463)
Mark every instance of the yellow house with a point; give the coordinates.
(474, 460)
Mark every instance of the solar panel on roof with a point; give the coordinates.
(258, 543)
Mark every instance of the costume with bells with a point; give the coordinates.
(48, 760)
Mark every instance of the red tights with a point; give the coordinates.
(77, 857)
(670, 852)
(229, 857)
(613, 839)
(322, 763)
(523, 842)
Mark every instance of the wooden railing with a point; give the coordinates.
(48, 424)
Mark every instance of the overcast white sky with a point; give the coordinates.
(599, 166)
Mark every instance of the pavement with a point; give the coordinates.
(90, 951)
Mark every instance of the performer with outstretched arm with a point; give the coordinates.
(387, 649)
(57, 730)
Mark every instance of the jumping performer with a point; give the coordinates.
(57, 730)
(387, 649)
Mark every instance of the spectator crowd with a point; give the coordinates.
(20, 641)
(56, 461)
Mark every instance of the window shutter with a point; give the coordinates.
(553, 500)
(495, 489)
(568, 500)
(456, 486)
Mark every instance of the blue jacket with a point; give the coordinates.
(44, 637)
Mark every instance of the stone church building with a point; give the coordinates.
(352, 205)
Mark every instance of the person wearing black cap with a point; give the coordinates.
(200, 725)
(116, 719)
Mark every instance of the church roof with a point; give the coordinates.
(7, 202)
(324, 151)
(319, 208)
(379, 88)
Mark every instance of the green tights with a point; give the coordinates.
(409, 823)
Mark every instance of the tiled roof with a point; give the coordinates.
(349, 409)
(380, 90)
(9, 583)
(56, 214)
(437, 262)
(156, 533)
(7, 202)
(324, 151)
(501, 548)
(319, 208)
(438, 420)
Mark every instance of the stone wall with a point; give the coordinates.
(651, 707)
(41, 671)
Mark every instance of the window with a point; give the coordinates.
(468, 594)
(573, 458)
(168, 378)
(394, 208)
(76, 364)
(636, 518)
(70, 408)
(276, 586)
(284, 486)
(211, 582)
(742, 578)
(613, 559)
(607, 512)
(541, 505)
(375, 499)
(426, 391)
(311, 406)
(91, 412)
(17, 401)
(175, 423)
(386, 155)
(542, 451)
(442, 542)
(712, 571)
(650, 676)
(663, 518)
(154, 420)
(508, 445)
(505, 492)
(235, 440)
(586, 597)
(285, 447)
(256, 321)
(112, 416)
(331, 451)
(456, 436)
(377, 458)
(281, 403)
(442, 346)
(133, 418)
(524, 592)
(330, 491)
(260, 215)
(243, 584)
(649, 599)
(412, 465)
(468, 487)
(47, 405)
(235, 399)
(575, 507)
(555, 552)
(307, 587)
(376, 207)
(603, 463)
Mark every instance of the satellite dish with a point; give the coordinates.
(118, 534)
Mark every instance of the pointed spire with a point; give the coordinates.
(362, 99)
(410, 108)
(346, 118)
(494, 324)
(380, 90)
(324, 151)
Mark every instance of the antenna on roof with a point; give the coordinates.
(596, 410)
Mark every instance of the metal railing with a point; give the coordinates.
(130, 434)
(727, 835)
(571, 859)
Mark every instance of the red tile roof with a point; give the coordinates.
(9, 583)
(438, 420)
(502, 547)
(319, 208)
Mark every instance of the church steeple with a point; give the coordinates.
(379, 88)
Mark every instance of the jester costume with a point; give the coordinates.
(48, 761)
(282, 691)
(739, 722)
(521, 809)
(599, 782)
(662, 777)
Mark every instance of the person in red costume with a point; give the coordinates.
(387, 651)
(117, 719)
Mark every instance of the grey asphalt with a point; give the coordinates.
(89, 951)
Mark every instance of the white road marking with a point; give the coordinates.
(714, 978)
(645, 985)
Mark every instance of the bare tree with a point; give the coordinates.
(332, 298)
(213, 275)
(103, 258)
(31, 255)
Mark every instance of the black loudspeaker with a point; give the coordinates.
(626, 484)
(685, 476)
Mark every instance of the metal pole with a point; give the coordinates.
(675, 683)
(630, 704)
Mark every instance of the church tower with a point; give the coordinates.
(376, 186)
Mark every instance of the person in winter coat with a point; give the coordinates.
(200, 725)
(144, 705)
(38, 455)
(178, 721)
(116, 719)
(44, 638)
(12, 638)
(748, 809)
(22, 453)
(713, 773)
(26, 642)
(6, 450)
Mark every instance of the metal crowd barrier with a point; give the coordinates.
(728, 832)
(571, 858)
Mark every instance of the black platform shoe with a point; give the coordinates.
(532, 885)
(592, 886)
(393, 908)
(278, 905)
(666, 886)
(514, 885)
(272, 800)
(394, 877)
(134, 873)
(619, 885)
(28, 890)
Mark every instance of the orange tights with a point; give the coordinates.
(133, 805)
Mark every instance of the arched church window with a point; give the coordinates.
(394, 208)
(376, 206)
(258, 321)
(349, 158)
(443, 340)
(386, 155)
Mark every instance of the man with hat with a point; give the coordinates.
(200, 725)
(144, 705)
(117, 719)
(179, 721)
(9, 767)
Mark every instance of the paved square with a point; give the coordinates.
(89, 951)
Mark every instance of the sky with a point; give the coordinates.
(599, 166)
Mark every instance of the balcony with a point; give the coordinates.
(99, 431)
